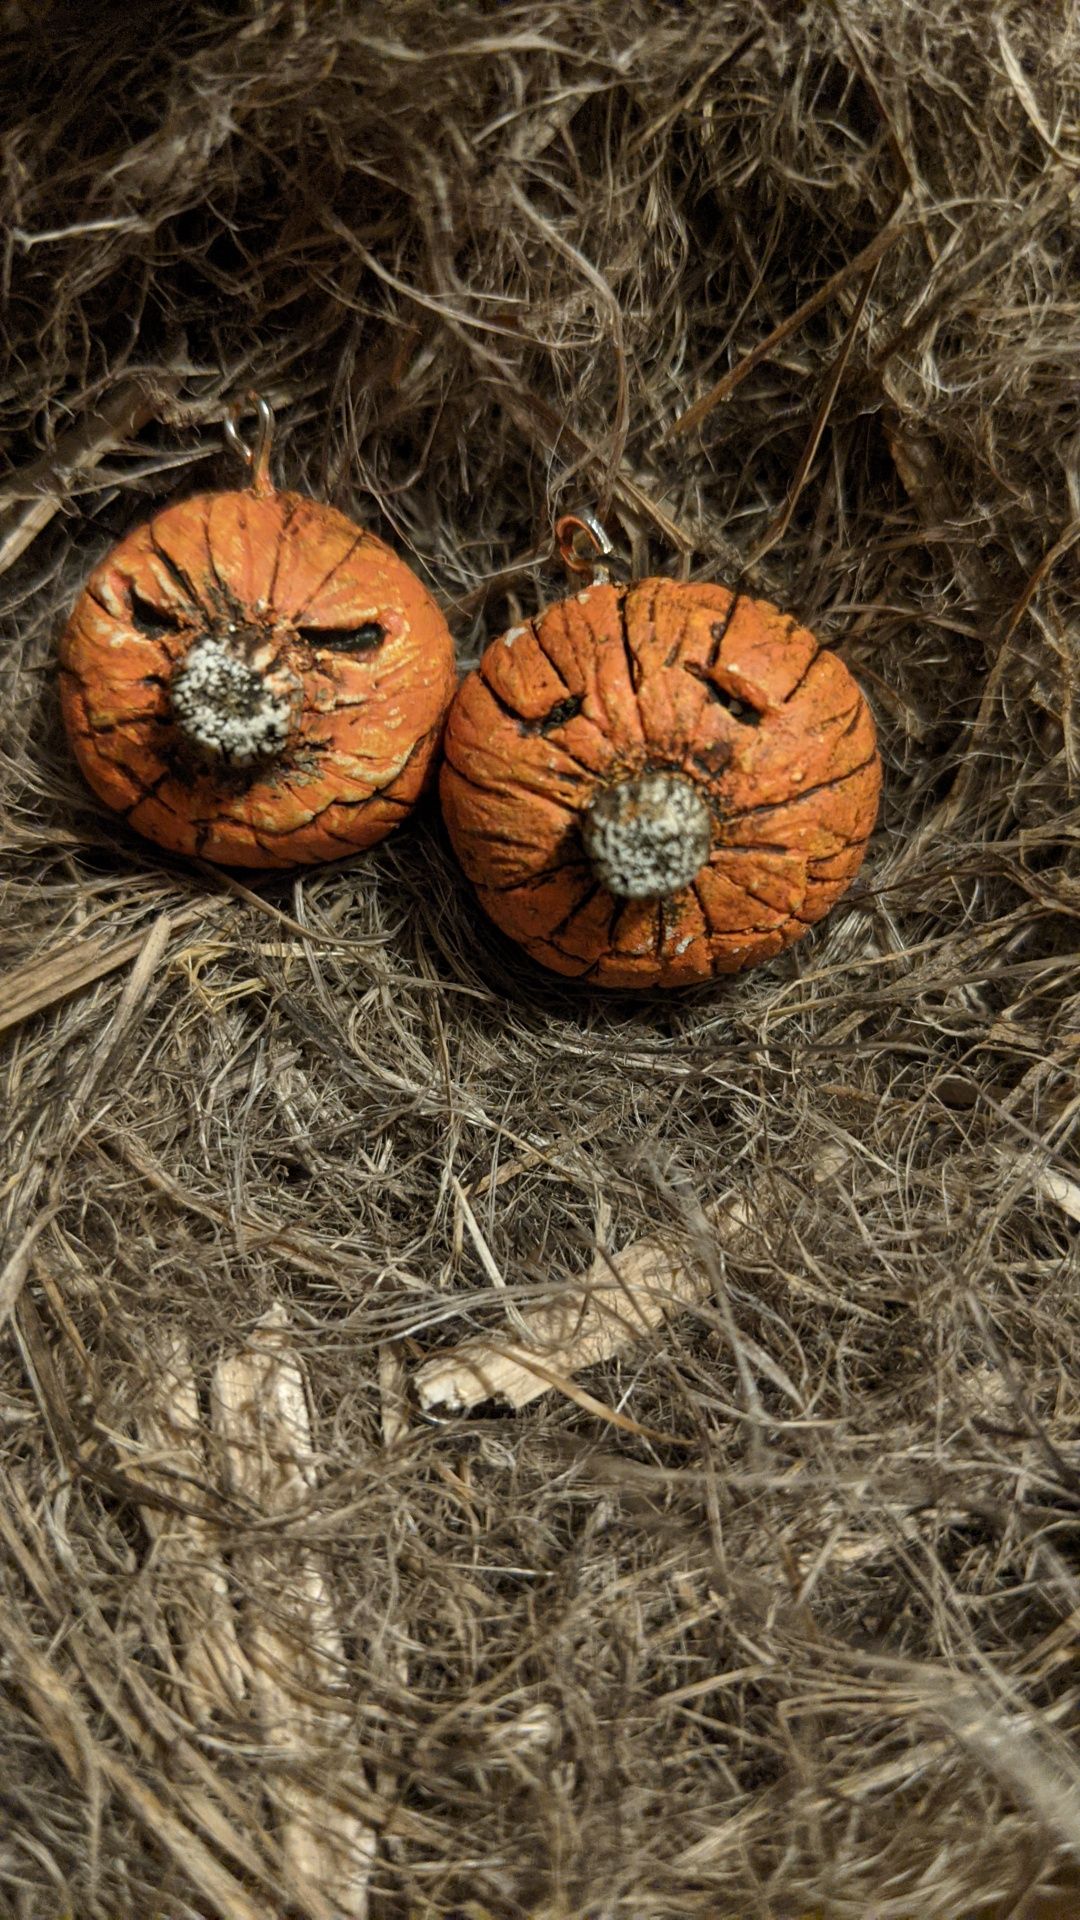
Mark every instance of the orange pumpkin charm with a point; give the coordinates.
(652, 784)
(251, 678)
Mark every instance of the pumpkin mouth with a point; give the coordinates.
(234, 706)
(647, 837)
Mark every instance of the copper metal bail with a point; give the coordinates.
(584, 548)
(256, 457)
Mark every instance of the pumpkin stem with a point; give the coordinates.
(647, 837)
(231, 710)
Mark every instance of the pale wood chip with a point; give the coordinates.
(293, 1640)
(393, 1393)
(618, 1302)
(171, 1458)
(52, 977)
(1064, 1192)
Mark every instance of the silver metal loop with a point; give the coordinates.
(603, 563)
(256, 457)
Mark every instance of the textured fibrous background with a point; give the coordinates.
(782, 1615)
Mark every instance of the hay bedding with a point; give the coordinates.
(776, 1608)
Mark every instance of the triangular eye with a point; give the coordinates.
(740, 710)
(362, 639)
(154, 622)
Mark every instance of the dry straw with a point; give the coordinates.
(755, 1592)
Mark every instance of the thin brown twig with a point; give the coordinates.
(778, 527)
(867, 257)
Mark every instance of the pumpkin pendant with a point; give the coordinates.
(655, 783)
(251, 678)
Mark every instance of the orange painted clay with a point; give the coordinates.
(251, 678)
(745, 748)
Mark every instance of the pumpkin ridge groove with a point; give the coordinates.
(265, 834)
(361, 800)
(261, 836)
(565, 751)
(542, 873)
(618, 909)
(761, 901)
(633, 664)
(719, 628)
(808, 793)
(850, 714)
(341, 838)
(559, 675)
(504, 706)
(547, 941)
(803, 677)
(849, 846)
(555, 718)
(311, 820)
(579, 906)
(289, 503)
(856, 716)
(713, 932)
(483, 786)
(532, 946)
(211, 558)
(145, 793)
(91, 593)
(151, 793)
(416, 748)
(494, 838)
(756, 846)
(328, 576)
(683, 631)
(168, 808)
(672, 654)
(389, 799)
(228, 608)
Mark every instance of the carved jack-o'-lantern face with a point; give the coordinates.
(653, 784)
(251, 678)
